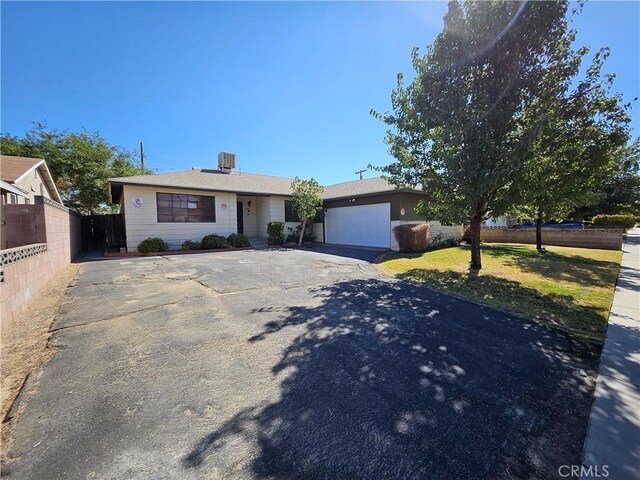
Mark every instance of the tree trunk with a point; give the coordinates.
(476, 223)
(304, 225)
(539, 232)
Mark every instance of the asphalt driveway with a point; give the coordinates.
(295, 364)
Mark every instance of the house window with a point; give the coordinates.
(174, 207)
(290, 215)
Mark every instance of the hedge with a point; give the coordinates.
(213, 241)
(619, 221)
(152, 245)
(238, 240)
(275, 231)
(188, 245)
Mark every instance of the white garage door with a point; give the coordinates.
(362, 225)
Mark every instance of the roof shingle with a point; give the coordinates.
(12, 167)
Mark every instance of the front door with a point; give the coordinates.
(240, 218)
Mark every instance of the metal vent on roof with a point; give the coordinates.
(226, 161)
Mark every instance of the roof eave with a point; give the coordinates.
(44, 169)
(373, 194)
(13, 189)
(202, 189)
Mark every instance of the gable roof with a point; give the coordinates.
(247, 183)
(13, 169)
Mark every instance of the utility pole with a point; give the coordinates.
(142, 157)
(359, 172)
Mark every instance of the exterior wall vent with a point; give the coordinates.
(226, 161)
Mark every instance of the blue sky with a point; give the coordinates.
(287, 86)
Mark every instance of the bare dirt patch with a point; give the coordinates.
(25, 349)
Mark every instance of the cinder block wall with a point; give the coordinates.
(27, 269)
(606, 239)
(25, 225)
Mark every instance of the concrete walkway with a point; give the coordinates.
(613, 439)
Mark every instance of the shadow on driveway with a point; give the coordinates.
(357, 253)
(388, 380)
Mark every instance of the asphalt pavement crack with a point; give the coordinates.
(124, 315)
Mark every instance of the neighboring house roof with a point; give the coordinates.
(7, 187)
(247, 183)
(13, 169)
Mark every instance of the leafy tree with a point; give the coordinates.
(80, 163)
(620, 193)
(579, 135)
(456, 129)
(307, 201)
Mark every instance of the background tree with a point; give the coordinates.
(456, 129)
(307, 201)
(620, 193)
(80, 163)
(578, 134)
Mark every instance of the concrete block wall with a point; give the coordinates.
(25, 225)
(22, 280)
(27, 269)
(606, 239)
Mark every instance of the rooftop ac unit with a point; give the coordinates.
(226, 161)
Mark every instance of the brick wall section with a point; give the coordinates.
(606, 239)
(25, 224)
(63, 234)
(23, 278)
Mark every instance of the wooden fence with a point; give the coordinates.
(103, 232)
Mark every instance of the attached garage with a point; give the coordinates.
(360, 225)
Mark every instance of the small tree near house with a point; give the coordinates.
(307, 201)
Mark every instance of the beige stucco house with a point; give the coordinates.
(187, 205)
(21, 180)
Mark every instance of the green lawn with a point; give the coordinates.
(567, 288)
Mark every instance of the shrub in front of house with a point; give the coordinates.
(442, 241)
(291, 237)
(308, 236)
(238, 240)
(275, 232)
(412, 237)
(613, 221)
(152, 245)
(191, 245)
(213, 241)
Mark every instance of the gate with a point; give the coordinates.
(103, 232)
